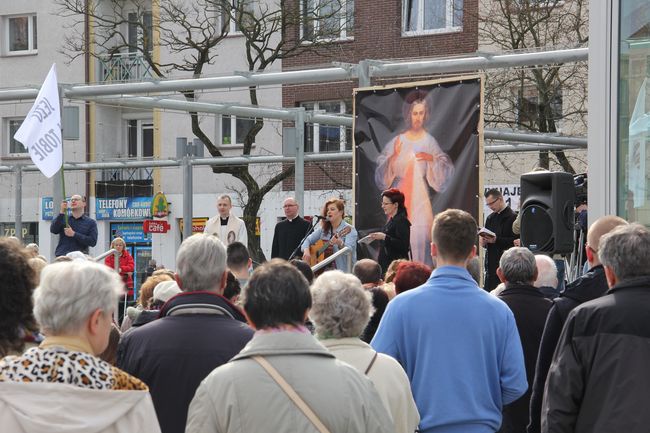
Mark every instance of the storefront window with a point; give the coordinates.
(633, 200)
(29, 232)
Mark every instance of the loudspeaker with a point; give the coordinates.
(547, 212)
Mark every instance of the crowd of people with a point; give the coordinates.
(395, 345)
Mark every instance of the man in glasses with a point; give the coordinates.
(81, 232)
(500, 222)
(288, 232)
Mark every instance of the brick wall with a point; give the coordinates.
(324, 175)
(377, 35)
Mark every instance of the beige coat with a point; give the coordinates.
(61, 408)
(387, 374)
(240, 397)
(235, 225)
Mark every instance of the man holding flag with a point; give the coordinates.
(79, 232)
(40, 133)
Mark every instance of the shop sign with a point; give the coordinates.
(123, 208)
(159, 206)
(155, 226)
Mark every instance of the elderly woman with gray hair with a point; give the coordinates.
(62, 384)
(341, 309)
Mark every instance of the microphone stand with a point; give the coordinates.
(312, 227)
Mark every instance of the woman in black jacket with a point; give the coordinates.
(396, 235)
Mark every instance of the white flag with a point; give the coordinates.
(40, 132)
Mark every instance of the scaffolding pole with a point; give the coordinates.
(483, 61)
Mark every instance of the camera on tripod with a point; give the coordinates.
(580, 182)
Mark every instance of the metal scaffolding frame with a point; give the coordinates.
(124, 94)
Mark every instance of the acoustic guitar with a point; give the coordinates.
(322, 249)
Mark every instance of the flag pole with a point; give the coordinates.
(65, 214)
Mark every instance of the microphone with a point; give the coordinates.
(319, 217)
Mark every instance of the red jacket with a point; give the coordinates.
(126, 268)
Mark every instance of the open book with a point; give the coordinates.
(486, 233)
(365, 240)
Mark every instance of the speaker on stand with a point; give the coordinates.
(547, 212)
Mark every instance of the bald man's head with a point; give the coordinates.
(598, 229)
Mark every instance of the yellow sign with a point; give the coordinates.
(198, 224)
(159, 206)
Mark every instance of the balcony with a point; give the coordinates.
(123, 67)
(125, 174)
(123, 182)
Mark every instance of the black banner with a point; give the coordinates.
(423, 140)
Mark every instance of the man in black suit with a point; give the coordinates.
(500, 222)
(289, 232)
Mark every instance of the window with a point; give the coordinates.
(432, 16)
(16, 148)
(239, 125)
(140, 33)
(325, 138)
(233, 14)
(21, 34)
(327, 19)
(139, 138)
(531, 113)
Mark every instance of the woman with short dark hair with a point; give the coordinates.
(395, 237)
(17, 325)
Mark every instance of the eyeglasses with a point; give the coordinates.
(290, 205)
(76, 199)
(490, 203)
(386, 203)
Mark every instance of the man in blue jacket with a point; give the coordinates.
(458, 344)
(81, 231)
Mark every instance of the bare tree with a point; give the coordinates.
(189, 32)
(542, 97)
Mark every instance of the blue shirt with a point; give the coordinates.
(460, 348)
(85, 235)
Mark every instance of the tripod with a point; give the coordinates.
(575, 262)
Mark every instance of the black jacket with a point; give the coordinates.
(590, 286)
(197, 332)
(530, 308)
(287, 237)
(599, 378)
(501, 225)
(397, 242)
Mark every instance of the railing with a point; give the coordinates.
(345, 250)
(123, 67)
(127, 173)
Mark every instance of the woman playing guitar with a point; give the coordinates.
(334, 232)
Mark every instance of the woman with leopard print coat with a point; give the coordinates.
(62, 385)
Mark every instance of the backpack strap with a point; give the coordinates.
(292, 394)
(372, 362)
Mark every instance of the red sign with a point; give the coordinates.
(155, 226)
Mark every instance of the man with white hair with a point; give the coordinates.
(599, 376)
(590, 286)
(198, 331)
(518, 270)
(546, 280)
